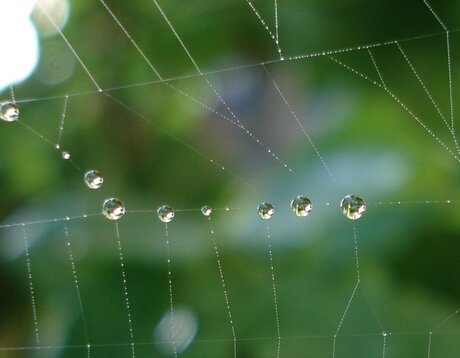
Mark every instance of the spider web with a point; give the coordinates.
(231, 118)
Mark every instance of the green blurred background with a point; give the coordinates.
(154, 146)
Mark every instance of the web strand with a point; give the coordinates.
(61, 126)
(58, 30)
(302, 128)
(449, 65)
(398, 101)
(437, 327)
(77, 289)
(274, 37)
(125, 291)
(275, 295)
(355, 240)
(277, 24)
(134, 43)
(224, 287)
(384, 349)
(350, 300)
(34, 132)
(382, 82)
(13, 97)
(414, 71)
(171, 297)
(31, 287)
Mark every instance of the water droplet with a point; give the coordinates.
(113, 209)
(165, 213)
(9, 111)
(301, 205)
(65, 155)
(93, 179)
(265, 210)
(353, 207)
(206, 210)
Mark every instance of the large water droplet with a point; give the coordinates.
(266, 210)
(206, 210)
(9, 111)
(165, 213)
(93, 179)
(353, 207)
(301, 205)
(113, 209)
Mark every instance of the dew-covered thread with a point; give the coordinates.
(224, 287)
(31, 286)
(350, 300)
(77, 288)
(275, 295)
(125, 291)
(170, 287)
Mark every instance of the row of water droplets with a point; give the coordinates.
(353, 207)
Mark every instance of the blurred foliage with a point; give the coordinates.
(154, 145)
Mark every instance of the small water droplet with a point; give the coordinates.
(65, 155)
(9, 111)
(206, 210)
(165, 213)
(301, 205)
(353, 207)
(57, 146)
(113, 209)
(93, 179)
(266, 210)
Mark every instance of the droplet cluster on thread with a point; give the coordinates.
(352, 206)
